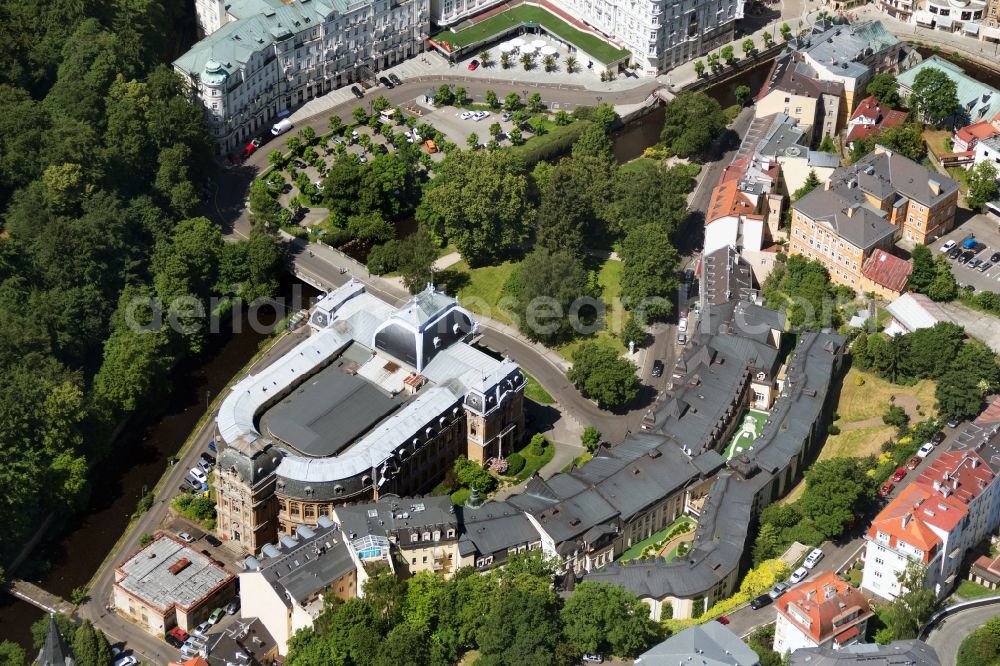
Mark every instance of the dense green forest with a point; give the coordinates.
(101, 163)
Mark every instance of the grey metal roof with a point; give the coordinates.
(709, 644)
(847, 213)
(783, 138)
(54, 651)
(147, 575)
(882, 172)
(841, 48)
(897, 653)
(392, 516)
(305, 566)
(327, 412)
(818, 158)
(251, 458)
(246, 641)
(494, 527)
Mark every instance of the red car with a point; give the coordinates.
(898, 476)
(251, 148)
(474, 65)
(886, 488)
(723, 619)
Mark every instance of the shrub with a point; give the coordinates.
(553, 144)
(515, 463)
(859, 381)
(833, 429)
(145, 539)
(537, 445)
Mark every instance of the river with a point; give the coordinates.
(70, 559)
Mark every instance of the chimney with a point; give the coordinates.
(937, 486)
(826, 186)
(974, 461)
(935, 186)
(906, 518)
(954, 484)
(850, 211)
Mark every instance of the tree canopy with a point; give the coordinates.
(885, 88)
(692, 121)
(603, 374)
(935, 97)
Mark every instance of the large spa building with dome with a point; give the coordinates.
(377, 400)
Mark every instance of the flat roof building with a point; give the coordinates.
(709, 644)
(897, 653)
(167, 583)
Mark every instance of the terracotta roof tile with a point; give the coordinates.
(887, 270)
(830, 604)
(728, 200)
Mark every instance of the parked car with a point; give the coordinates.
(395, 79)
(798, 576)
(465, 115)
(202, 629)
(506, 115)
(938, 437)
(593, 659)
(179, 634)
(955, 253)
(357, 92)
(899, 475)
(474, 65)
(185, 537)
(761, 601)
(281, 127)
(886, 488)
(722, 619)
(217, 615)
(657, 368)
(953, 423)
(985, 266)
(299, 164)
(208, 457)
(974, 263)
(947, 246)
(913, 463)
(234, 606)
(386, 82)
(212, 540)
(682, 339)
(966, 256)
(172, 640)
(127, 660)
(925, 450)
(682, 324)
(198, 474)
(205, 466)
(212, 446)
(995, 258)
(778, 590)
(813, 558)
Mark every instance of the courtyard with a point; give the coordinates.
(525, 15)
(663, 543)
(750, 428)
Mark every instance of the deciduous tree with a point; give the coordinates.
(606, 619)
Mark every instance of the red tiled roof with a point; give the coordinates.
(860, 132)
(881, 118)
(734, 170)
(887, 270)
(992, 412)
(845, 636)
(728, 200)
(910, 516)
(827, 602)
(981, 130)
(963, 475)
(867, 108)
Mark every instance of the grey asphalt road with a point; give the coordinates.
(948, 635)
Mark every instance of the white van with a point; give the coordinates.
(281, 127)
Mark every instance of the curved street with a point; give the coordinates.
(950, 632)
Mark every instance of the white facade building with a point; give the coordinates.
(660, 34)
(261, 58)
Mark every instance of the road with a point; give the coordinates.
(150, 648)
(948, 634)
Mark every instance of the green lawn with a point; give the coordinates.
(609, 277)
(534, 391)
(636, 550)
(739, 438)
(593, 45)
(532, 463)
(478, 289)
(969, 591)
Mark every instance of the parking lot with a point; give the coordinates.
(984, 229)
(448, 120)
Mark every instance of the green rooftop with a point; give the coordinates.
(747, 431)
(527, 14)
(653, 541)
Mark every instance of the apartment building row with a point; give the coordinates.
(259, 59)
(587, 517)
(949, 509)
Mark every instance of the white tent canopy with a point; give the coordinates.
(548, 50)
(507, 47)
(538, 43)
(528, 49)
(517, 42)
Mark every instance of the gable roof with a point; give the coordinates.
(979, 101)
(912, 514)
(887, 270)
(727, 200)
(847, 213)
